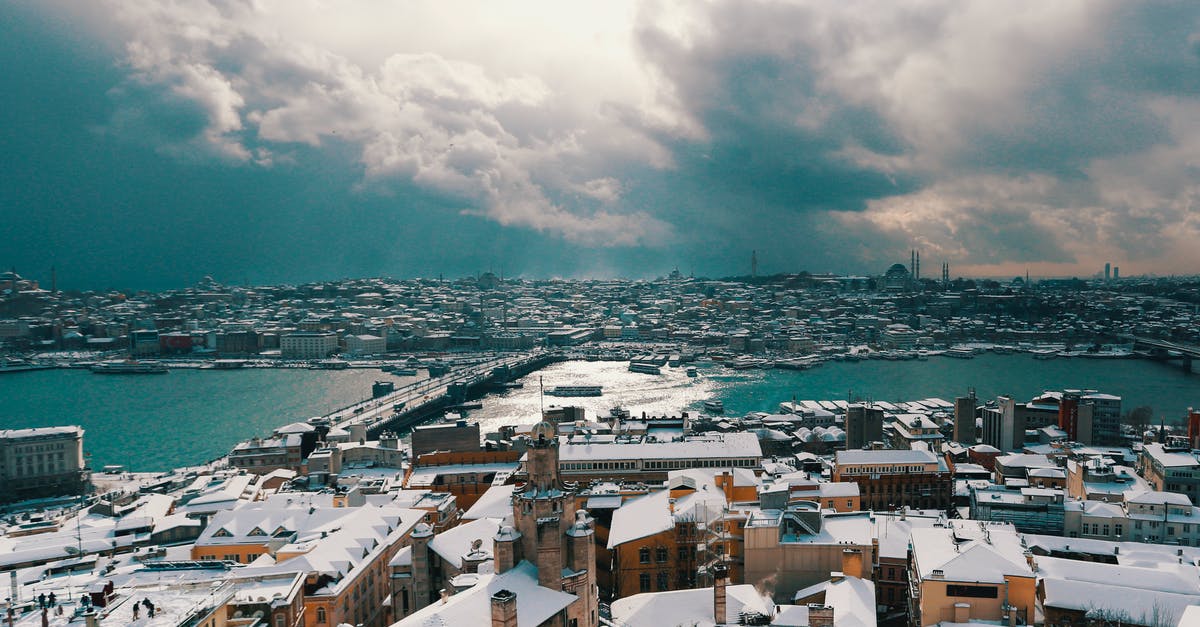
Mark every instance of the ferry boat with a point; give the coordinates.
(691, 372)
(330, 364)
(644, 368)
(1044, 353)
(576, 390)
(714, 406)
(130, 366)
(21, 365)
(960, 353)
(743, 363)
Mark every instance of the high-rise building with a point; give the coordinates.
(1107, 271)
(964, 419)
(864, 424)
(1116, 273)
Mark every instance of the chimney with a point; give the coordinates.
(504, 609)
(852, 563)
(91, 619)
(820, 615)
(720, 581)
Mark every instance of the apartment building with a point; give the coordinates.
(892, 479)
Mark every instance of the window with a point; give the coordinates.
(644, 555)
(644, 582)
(662, 581)
(660, 554)
(683, 553)
(321, 615)
(977, 592)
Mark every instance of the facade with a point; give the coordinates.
(303, 537)
(967, 570)
(964, 420)
(1004, 426)
(308, 345)
(261, 456)
(864, 424)
(792, 549)
(41, 462)
(892, 479)
(601, 457)
(1171, 469)
(366, 344)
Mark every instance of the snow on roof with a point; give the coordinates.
(688, 607)
(8, 434)
(641, 517)
(969, 550)
(1166, 577)
(839, 489)
(1138, 604)
(897, 456)
(495, 503)
(894, 532)
(473, 606)
(724, 446)
(452, 544)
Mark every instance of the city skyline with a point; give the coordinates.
(148, 146)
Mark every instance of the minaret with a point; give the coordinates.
(753, 263)
(917, 270)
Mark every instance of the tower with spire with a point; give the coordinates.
(549, 533)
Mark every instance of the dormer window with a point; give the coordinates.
(257, 531)
(222, 533)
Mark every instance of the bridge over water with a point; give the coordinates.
(417, 402)
(1163, 350)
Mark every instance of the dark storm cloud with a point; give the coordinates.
(160, 142)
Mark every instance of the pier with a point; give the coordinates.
(417, 402)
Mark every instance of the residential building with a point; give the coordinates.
(1170, 469)
(864, 424)
(967, 570)
(791, 549)
(892, 479)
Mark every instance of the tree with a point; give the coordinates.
(1139, 418)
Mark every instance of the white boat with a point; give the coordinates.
(576, 390)
(960, 353)
(644, 368)
(1044, 353)
(691, 372)
(130, 366)
(21, 365)
(714, 406)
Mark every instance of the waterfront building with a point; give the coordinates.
(41, 462)
(899, 337)
(892, 479)
(365, 344)
(967, 570)
(308, 345)
(263, 455)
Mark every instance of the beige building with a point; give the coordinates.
(308, 345)
(968, 570)
(41, 462)
(789, 550)
(366, 345)
(1171, 470)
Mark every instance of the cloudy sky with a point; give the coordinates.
(149, 143)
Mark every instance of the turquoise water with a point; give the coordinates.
(189, 417)
(159, 422)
